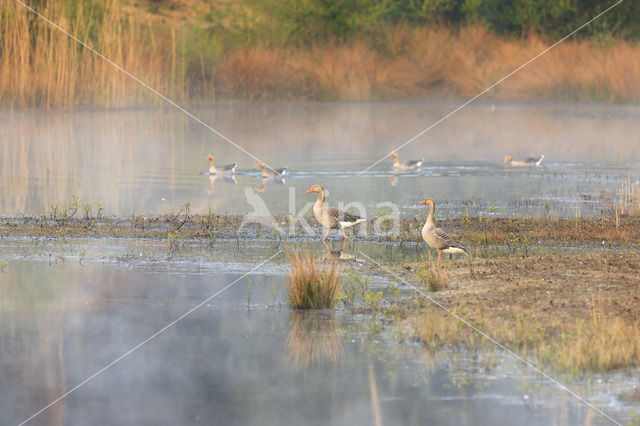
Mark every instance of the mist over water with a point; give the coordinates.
(150, 160)
(229, 363)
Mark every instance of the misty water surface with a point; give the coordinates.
(149, 161)
(240, 359)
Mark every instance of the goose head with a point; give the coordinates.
(428, 201)
(315, 188)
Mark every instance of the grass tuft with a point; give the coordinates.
(313, 285)
(435, 275)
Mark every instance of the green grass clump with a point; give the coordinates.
(313, 285)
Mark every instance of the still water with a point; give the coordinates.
(150, 161)
(242, 358)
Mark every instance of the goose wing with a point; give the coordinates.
(282, 171)
(228, 168)
(414, 163)
(342, 216)
(446, 241)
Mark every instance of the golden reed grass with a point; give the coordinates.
(43, 67)
(313, 285)
(597, 344)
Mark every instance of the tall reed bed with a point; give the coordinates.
(435, 61)
(193, 60)
(313, 285)
(628, 199)
(44, 67)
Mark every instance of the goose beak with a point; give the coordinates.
(423, 202)
(309, 191)
(257, 165)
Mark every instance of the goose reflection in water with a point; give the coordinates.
(269, 180)
(213, 179)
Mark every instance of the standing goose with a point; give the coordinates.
(436, 237)
(213, 170)
(268, 172)
(409, 165)
(531, 161)
(332, 218)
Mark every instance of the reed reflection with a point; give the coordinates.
(313, 340)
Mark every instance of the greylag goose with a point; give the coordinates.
(213, 170)
(268, 172)
(531, 161)
(409, 165)
(332, 218)
(436, 237)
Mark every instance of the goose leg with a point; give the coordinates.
(439, 254)
(325, 237)
(345, 235)
(326, 245)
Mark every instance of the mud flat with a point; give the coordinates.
(564, 291)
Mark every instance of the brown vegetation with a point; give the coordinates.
(434, 274)
(43, 67)
(572, 312)
(313, 285)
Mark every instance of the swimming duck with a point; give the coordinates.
(228, 169)
(268, 172)
(531, 161)
(330, 217)
(409, 165)
(435, 237)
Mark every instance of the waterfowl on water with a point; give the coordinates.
(268, 172)
(408, 165)
(332, 218)
(531, 161)
(435, 237)
(228, 169)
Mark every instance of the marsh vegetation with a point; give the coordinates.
(265, 49)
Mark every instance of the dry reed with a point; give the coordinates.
(43, 67)
(434, 274)
(600, 344)
(628, 199)
(313, 285)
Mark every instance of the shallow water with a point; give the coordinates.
(150, 161)
(241, 358)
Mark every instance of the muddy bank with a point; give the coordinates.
(517, 235)
(572, 313)
(526, 286)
